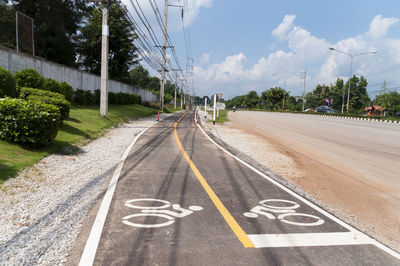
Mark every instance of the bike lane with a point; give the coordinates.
(138, 229)
(284, 227)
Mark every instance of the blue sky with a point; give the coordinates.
(238, 45)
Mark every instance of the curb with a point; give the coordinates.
(360, 118)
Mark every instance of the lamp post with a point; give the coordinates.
(351, 70)
(284, 87)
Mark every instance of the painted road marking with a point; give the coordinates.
(309, 239)
(346, 237)
(89, 252)
(157, 211)
(233, 224)
(284, 211)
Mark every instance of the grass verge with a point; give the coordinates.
(84, 124)
(222, 116)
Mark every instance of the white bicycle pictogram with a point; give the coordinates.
(156, 211)
(267, 208)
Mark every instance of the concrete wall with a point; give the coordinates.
(14, 61)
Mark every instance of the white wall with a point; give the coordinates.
(14, 61)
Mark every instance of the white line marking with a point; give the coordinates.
(309, 239)
(309, 203)
(89, 252)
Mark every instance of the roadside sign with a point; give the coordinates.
(220, 106)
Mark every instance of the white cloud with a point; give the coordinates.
(233, 76)
(379, 26)
(282, 30)
(205, 58)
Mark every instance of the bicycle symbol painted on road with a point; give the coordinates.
(156, 211)
(269, 206)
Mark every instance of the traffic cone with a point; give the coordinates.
(158, 116)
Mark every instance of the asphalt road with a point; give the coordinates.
(371, 148)
(194, 204)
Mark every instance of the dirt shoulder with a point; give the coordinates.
(338, 187)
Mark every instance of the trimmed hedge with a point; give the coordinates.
(62, 104)
(82, 97)
(7, 83)
(67, 91)
(30, 123)
(52, 85)
(24, 93)
(29, 78)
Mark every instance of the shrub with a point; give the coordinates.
(52, 85)
(67, 91)
(26, 92)
(112, 99)
(97, 96)
(82, 97)
(7, 83)
(62, 104)
(29, 78)
(29, 123)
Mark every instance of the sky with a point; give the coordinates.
(237, 46)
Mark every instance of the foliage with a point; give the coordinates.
(7, 25)
(139, 76)
(83, 125)
(359, 98)
(122, 52)
(24, 93)
(123, 98)
(7, 83)
(82, 97)
(52, 85)
(252, 99)
(273, 98)
(389, 100)
(56, 27)
(358, 95)
(31, 123)
(29, 78)
(67, 91)
(62, 104)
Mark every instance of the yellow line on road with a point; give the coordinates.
(240, 233)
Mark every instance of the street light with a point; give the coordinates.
(351, 70)
(284, 87)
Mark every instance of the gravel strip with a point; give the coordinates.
(42, 210)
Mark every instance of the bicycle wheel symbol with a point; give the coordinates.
(282, 209)
(157, 211)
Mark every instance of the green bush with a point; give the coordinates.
(7, 83)
(24, 93)
(29, 78)
(82, 97)
(67, 91)
(30, 123)
(52, 85)
(97, 96)
(62, 104)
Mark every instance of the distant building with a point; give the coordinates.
(375, 110)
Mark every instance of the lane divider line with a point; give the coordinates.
(89, 253)
(233, 224)
(356, 233)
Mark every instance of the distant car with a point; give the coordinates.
(397, 114)
(325, 109)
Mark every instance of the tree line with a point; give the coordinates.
(334, 95)
(69, 32)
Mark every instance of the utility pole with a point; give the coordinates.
(104, 62)
(215, 107)
(164, 54)
(105, 32)
(176, 82)
(304, 90)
